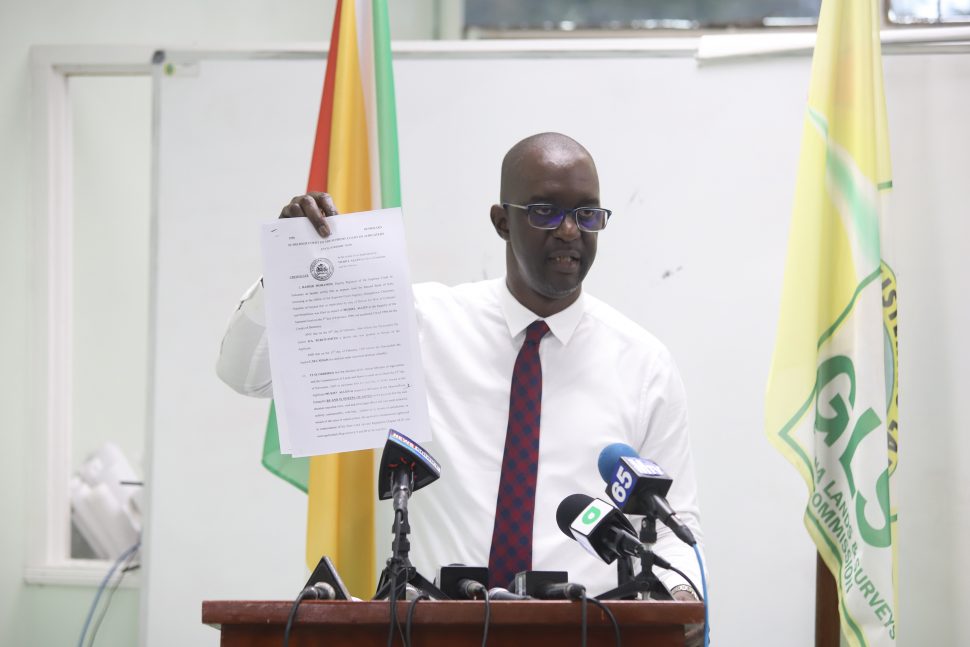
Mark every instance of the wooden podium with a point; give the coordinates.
(450, 624)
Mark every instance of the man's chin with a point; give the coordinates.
(557, 291)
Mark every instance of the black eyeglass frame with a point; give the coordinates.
(560, 215)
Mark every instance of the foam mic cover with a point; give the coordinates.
(599, 527)
(610, 456)
(401, 454)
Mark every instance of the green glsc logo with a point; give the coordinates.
(591, 515)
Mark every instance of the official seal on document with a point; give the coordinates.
(321, 269)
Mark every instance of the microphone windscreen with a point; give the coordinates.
(569, 509)
(609, 457)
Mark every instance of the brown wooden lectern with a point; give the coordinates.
(450, 624)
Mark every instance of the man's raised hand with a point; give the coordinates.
(317, 207)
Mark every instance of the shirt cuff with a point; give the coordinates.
(253, 305)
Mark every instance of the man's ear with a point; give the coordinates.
(500, 220)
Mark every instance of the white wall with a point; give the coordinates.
(26, 612)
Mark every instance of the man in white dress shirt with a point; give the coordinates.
(604, 378)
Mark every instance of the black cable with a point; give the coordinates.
(609, 614)
(585, 628)
(400, 631)
(392, 600)
(107, 602)
(289, 621)
(488, 616)
(410, 617)
(392, 568)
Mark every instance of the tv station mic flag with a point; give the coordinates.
(355, 160)
(832, 397)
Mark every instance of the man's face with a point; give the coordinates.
(546, 267)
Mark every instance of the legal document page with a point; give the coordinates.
(342, 333)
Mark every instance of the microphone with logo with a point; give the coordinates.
(606, 533)
(639, 486)
(405, 467)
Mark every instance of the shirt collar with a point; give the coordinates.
(562, 324)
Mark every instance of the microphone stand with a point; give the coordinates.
(644, 582)
(399, 572)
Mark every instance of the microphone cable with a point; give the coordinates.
(488, 617)
(583, 627)
(392, 594)
(410, 617)
(609, 614)
(667, 566)
(319, 591)
(664, 564)
(707, 623)
(472, 592)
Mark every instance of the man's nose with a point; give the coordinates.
(567, 229)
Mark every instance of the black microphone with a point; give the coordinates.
(326, 573)
(463, 582)
(563, 591)
(498, 593)
(405, 468)
(599, 527)
(548, 585)
(639, 486)
(319, 591)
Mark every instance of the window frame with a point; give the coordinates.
(50, 329)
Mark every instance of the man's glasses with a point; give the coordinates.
(547, 216)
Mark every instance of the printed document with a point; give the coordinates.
(342, 334)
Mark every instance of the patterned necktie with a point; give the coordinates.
(512, 537)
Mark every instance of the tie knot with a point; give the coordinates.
(536, 331)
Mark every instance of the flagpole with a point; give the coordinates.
(827, 631)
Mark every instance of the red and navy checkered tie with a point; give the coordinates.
(512, 537)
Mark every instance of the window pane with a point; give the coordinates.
(623, 14)
(111, 139)
(956, 10)
(929, 11)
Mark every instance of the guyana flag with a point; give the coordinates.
(355, 160)
(832, 396)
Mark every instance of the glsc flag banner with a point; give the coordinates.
(832, 397)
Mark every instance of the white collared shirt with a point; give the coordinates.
(605, 380)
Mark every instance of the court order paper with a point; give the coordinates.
(343, 338)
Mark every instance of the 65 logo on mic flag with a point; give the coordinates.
(627, 468)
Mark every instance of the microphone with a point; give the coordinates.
(463, 582)
(548, 585)
(498, 593)
(319, 591)
(326, 573)
(598, 527)
(405, 468)
(639, 486)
